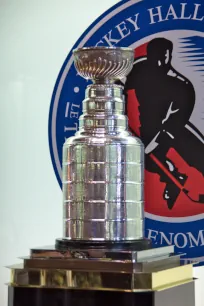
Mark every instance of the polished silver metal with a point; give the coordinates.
(103, 164)
(103, 64)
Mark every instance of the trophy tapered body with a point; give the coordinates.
(103, 164)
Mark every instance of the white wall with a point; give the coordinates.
(35, 37)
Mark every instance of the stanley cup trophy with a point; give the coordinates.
(103, 164)
(103, 257)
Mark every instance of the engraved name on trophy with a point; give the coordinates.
(103, 257)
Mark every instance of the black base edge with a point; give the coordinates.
(181, 295)
(134, 245)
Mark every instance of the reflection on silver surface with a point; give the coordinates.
(103, 65)
(103, 164)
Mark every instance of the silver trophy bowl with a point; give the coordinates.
(103, 164)
(103, 64)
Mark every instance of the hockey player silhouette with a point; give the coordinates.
(166, 101)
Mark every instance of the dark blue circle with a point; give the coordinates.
(72, 80)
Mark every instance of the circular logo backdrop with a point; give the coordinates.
(165, 106)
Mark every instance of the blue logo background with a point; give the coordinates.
(69, 92)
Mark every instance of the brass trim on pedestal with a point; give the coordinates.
(100, 280)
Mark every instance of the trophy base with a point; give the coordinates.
(83, 274)
(181, 295)
(91, 268)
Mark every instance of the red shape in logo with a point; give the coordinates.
(154, 188)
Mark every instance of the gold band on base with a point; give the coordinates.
(68, 279)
